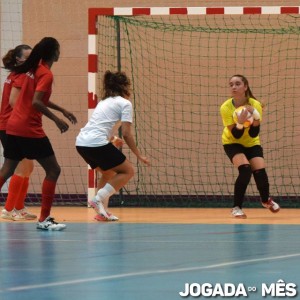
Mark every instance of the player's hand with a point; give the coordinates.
(249, 108)
(254, 112)
(70, 116)
(116, 141)
(62, 125)
(144, 160)
(243, 116)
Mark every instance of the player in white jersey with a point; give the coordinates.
(94, 141)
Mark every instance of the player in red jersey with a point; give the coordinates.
(14, 206)
(25, 135)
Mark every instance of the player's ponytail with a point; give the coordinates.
(13, 56)
(249, 94)
(45, 50)
(8, 60)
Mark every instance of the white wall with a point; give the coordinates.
(11, 28)
(11, 36)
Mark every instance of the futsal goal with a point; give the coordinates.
(180, 61)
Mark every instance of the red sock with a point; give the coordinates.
(13, 192)
(48, 190)
(20, 199)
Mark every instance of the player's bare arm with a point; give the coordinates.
(39, 105)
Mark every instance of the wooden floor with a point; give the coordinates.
(150, 254)
(174, 215)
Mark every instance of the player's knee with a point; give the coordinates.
(53, 173)
(130, 172)
(27, 171)
(57, 171)
(127, 169)
(245, 174)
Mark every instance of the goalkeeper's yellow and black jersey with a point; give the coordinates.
(227, 109)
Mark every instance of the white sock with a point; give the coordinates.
(105, 192)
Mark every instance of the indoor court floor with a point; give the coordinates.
(151, 254)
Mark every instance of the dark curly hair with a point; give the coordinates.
(115, 84)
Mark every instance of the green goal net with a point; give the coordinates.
(180, 67)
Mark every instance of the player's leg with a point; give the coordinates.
(41, 150)
(262, 184)
(241, 183)
(6, 172)
(23, 171)
(105, 176)
(52, 169)
(123, 173)
(114, 167)
(236, 154)
(13, 155)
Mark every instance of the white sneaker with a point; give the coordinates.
(111, 217)
(98, 207)
(50, 224)
(10, 215)
(236, 212)
(26, 214)
(271, 205)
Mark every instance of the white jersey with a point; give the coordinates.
(107, 113)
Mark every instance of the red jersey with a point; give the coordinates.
(12, 80)
(25, 120)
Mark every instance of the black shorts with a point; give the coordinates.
(250, 152)
(3, 138)
(18, 148)
(105, 157)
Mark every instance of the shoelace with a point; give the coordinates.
(52, 221)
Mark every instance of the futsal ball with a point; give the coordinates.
(238, 111)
